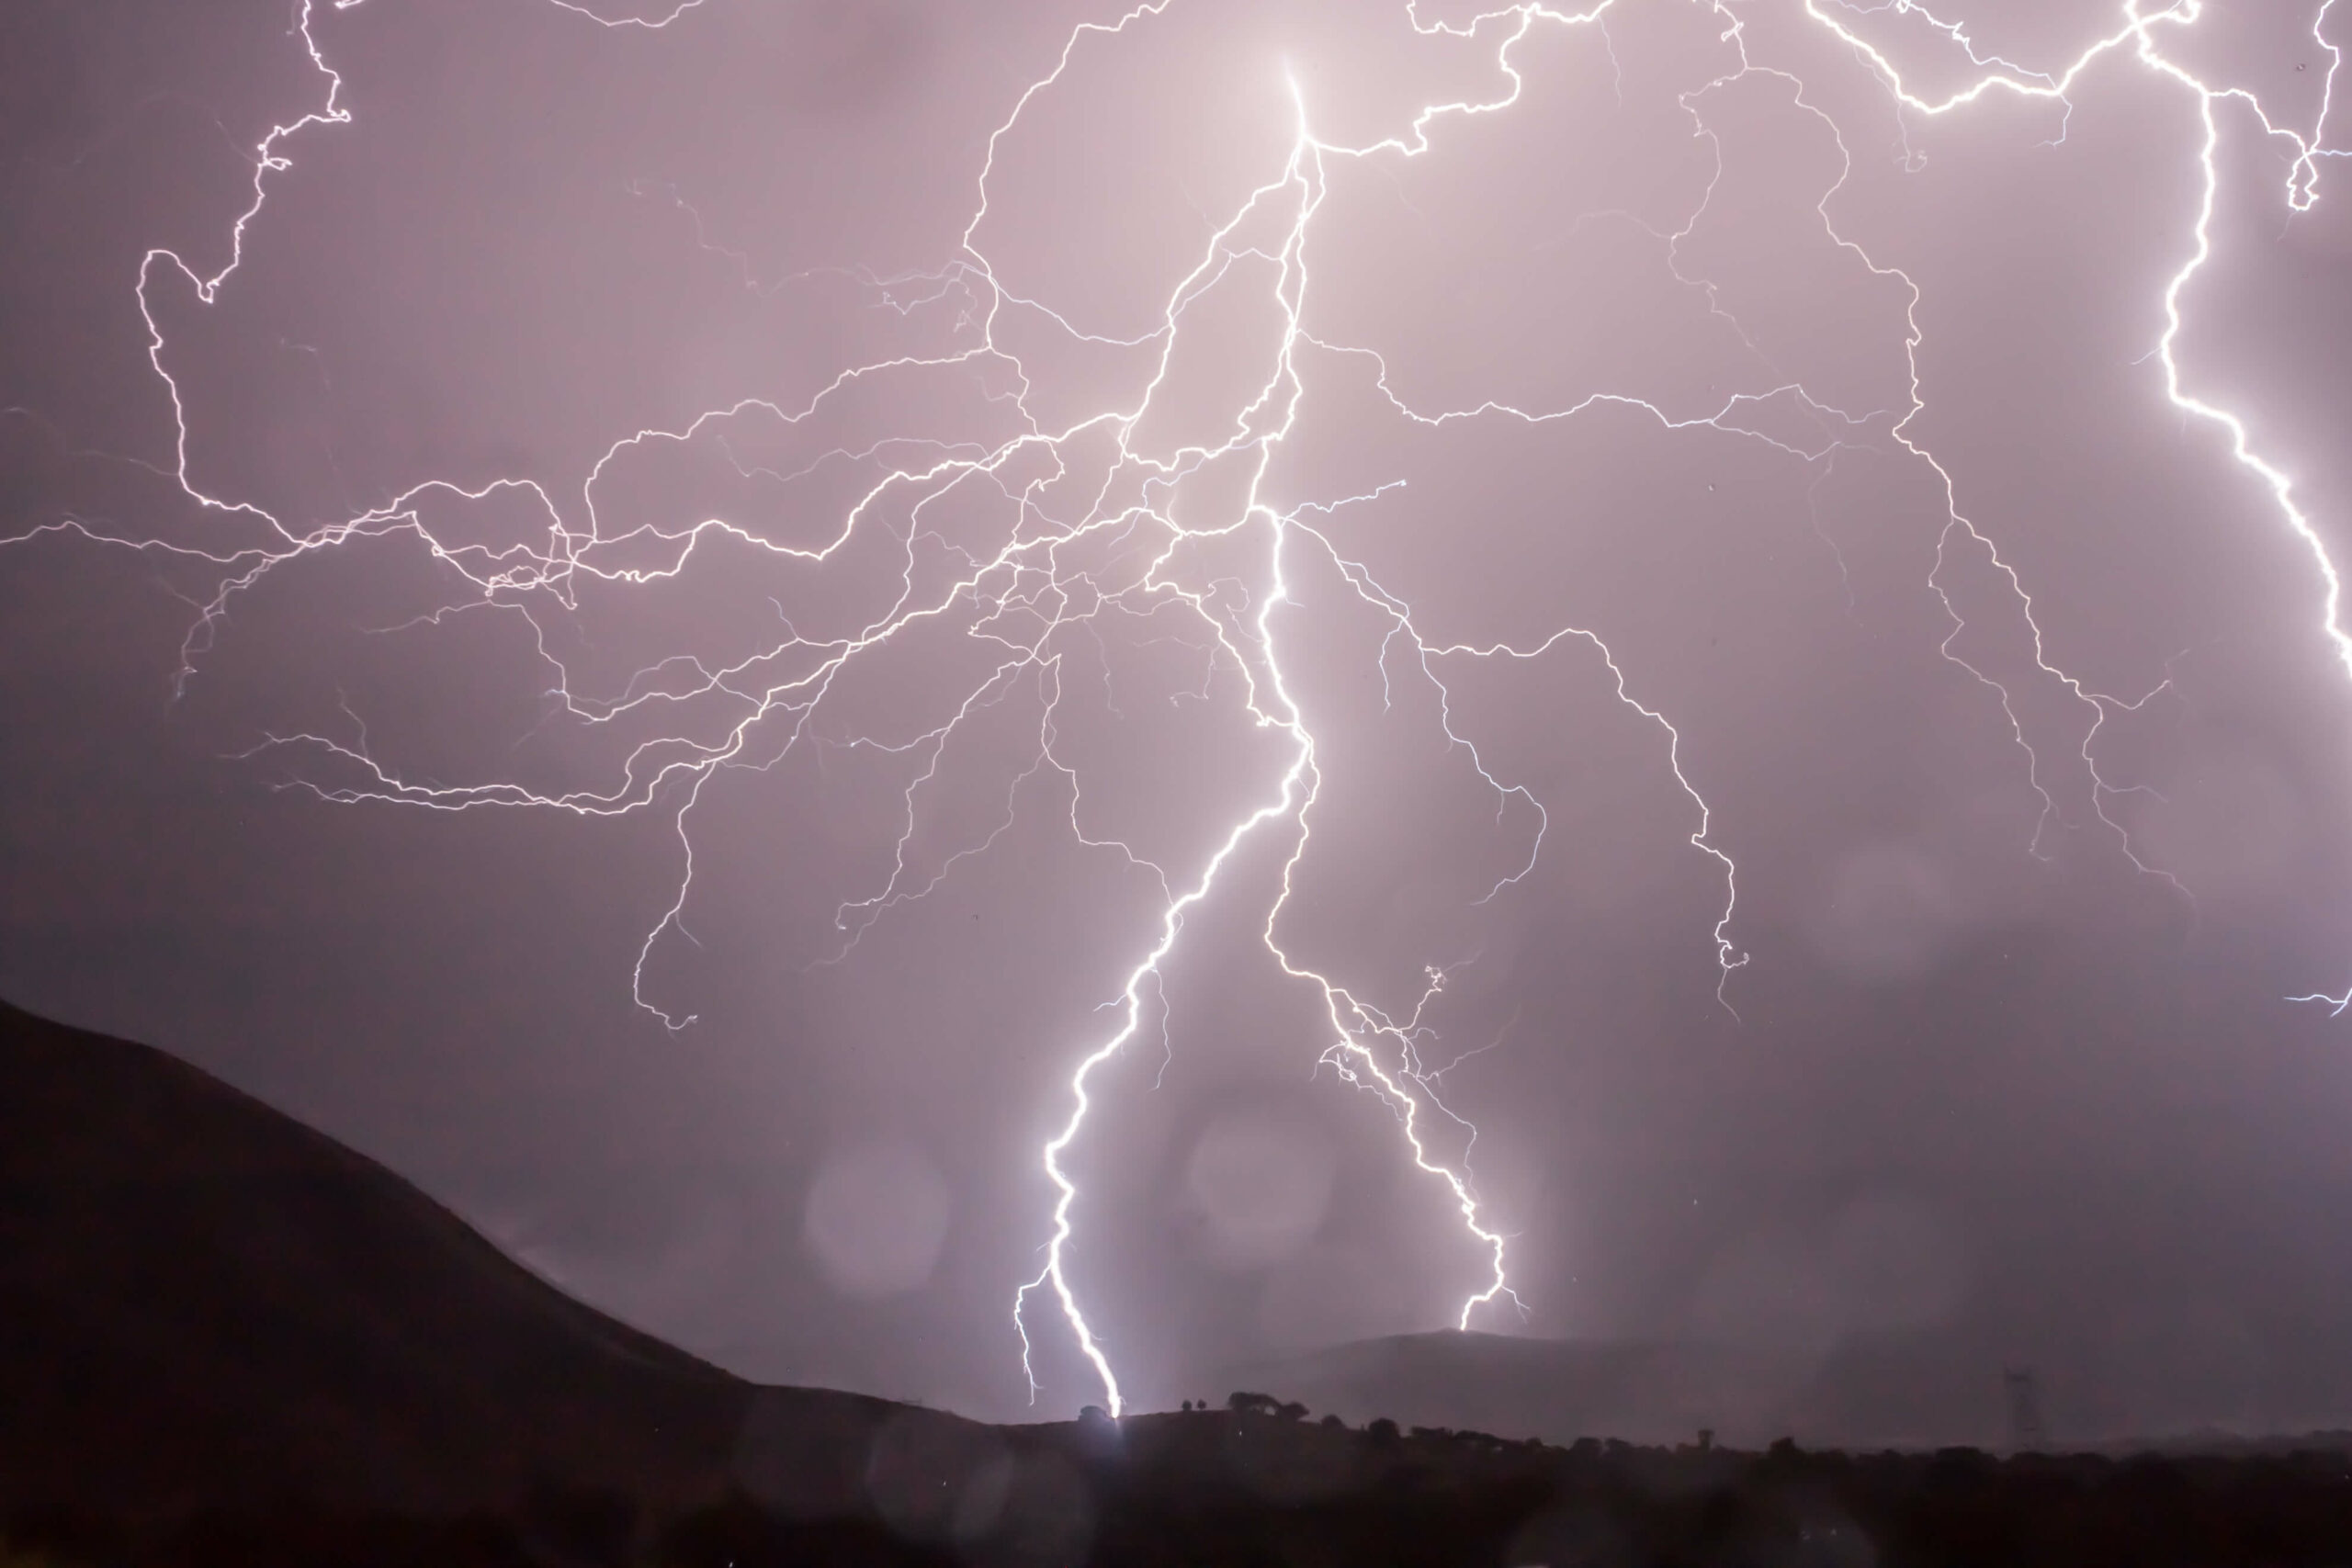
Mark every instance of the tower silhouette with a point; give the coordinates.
(2025, 1407)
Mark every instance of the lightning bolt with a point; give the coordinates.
(1128, 548)
(2136, 36)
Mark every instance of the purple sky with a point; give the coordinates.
(1066, 523)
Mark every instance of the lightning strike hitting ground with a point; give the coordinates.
(1027, 595)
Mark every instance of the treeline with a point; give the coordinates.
(1257, 1482)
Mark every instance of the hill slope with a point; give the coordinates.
(225, 1340)
(202, 1300)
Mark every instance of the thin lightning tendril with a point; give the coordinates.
(2138, 34)
(1025, 593)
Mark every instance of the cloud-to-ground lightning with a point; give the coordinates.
(1028, 596)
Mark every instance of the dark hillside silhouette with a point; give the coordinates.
(205, 1301)
(227, 1342)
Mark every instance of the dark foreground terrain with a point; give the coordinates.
(225, 1340)
(1197, 1490)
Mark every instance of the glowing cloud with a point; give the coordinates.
(1026, 594)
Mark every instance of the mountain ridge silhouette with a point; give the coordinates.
(204, 1302)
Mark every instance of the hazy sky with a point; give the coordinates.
(1065, 523)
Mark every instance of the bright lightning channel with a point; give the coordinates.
(1370, 1046)
(2138, 33)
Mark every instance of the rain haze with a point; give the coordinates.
(1595, 672)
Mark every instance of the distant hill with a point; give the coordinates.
(1914, 1389)
(1917, 1391)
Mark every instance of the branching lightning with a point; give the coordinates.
(1048, 581)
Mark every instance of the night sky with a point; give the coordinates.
(353, 744)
